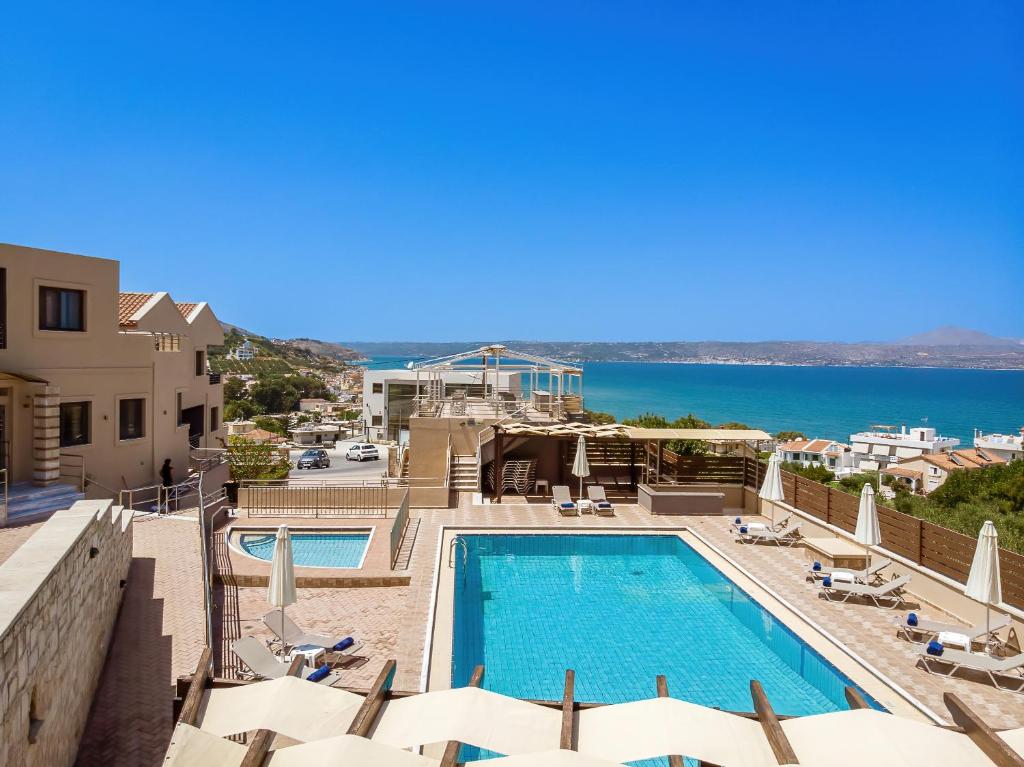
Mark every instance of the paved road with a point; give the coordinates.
(341, 469)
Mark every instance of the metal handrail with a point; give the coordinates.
(80, 474)
(3, 515)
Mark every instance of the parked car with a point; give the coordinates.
(362, 452)
(313, 459)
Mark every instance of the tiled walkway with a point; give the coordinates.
(160, 633)
(159, 636)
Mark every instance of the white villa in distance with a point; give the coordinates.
(245, 351)
(883, 446)
(835, 456)
(1009, 447)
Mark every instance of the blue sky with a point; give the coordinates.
(590, 171)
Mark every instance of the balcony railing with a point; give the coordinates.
(214, 378)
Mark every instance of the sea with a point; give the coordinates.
(828, 402)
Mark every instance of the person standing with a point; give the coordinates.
(167, 479)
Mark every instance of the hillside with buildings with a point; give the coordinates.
(248, 353)
(944, 347)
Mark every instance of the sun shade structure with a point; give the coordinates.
(580, 467)
(301, 723)
(281, 591)
(771, 488)
(983, 581)
(868, 530)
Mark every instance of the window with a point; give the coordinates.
(200, 363)
(378, 388)
(131, 419)
(214, 418)
(61, 309)
(75, 423)
(377, 420)
(177, 406)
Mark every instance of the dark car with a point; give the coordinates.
(313, 459)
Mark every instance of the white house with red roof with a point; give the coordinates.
(834, 456)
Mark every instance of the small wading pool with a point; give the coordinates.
(323, 548)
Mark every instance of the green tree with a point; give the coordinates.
(598, 418)
(790, 436)
(271, 424)
(234, 389)
(734, 425)
(248, 459)
(815, 473)
(239, 410)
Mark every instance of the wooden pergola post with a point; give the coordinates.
(632, 465)
(499, 459)
(674, 760)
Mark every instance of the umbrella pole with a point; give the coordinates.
(282, 630)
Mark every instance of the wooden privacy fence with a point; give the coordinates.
(672, 469)
(938, 548)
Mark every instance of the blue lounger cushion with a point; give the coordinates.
(603, 505)
(934, 648)
(319, 674)
(816, 566)
(912, 619)
(567, 505)
(743, 529)
(738, 521)
(344, 644)
(826, 582)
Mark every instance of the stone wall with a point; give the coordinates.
(59, 598)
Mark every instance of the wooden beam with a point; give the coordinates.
(855, 699)
(368, 712)
(632, 465)
(568, 701)
(194, 696)
(451, 751)
(674, 760)
(258, 749)
(984, 737)
(784, 753)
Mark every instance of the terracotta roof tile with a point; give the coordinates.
(186, 309)
(128, 305)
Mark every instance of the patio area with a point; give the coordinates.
(131, 713)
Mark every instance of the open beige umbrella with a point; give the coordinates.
(580, 467)
(868, 530)
(983, 582)
(771, 488)
(281, 591)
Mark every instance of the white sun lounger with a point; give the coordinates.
(925, 628)
(265, 665)
(859, 576)
(889, 592)
(995, 668)
(562, 501)
(293, 636)
(602, 506)
(764, 534)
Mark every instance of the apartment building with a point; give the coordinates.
(883, 446)
(930, 471)
(1009, 447)
(97, 380)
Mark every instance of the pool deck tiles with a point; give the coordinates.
(160, 631)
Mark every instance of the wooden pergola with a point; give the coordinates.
(653, 441)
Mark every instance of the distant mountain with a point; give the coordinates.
(951, 335)
(323, 348)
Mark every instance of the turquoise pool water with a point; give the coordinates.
(619, 610)
(327, 549)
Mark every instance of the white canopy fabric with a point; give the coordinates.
(983, 581)
(556, 758)
(191, 746)
(281, 591)
(291, 706)
(661, 726)
(771, 489)
(868, 737)
(580, 466)
(868, 531)
(469, 715)
(348, 750)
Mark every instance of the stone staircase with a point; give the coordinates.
(463, 474)
(28, 503)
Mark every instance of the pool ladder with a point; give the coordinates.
(461, 543)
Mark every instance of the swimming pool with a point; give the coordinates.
(327, 548)
(619, 610)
